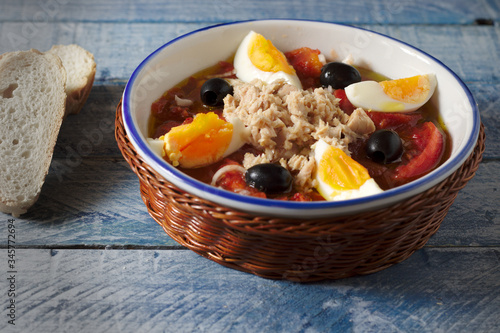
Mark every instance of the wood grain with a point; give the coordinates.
(435, 290)
(89, 258)
(186, 11)
(120, 47)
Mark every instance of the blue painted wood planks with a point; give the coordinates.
(91, 259)
(178, 291)
(214, 11)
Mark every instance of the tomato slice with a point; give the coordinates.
(344, 102)
(306, 63)
(423, 152)
(394, 120)
(234, 181)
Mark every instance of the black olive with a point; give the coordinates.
(269, 178)
(384, 146)
(338, 75)
(214, 90)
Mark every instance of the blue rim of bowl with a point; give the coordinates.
(432, 178)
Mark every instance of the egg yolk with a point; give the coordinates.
(199, 143)
(340, 171)
(413, 89)
(266, 57)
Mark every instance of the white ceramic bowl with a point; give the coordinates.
(194, 51)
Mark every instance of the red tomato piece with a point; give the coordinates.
(307, 65)
(297, 196)
(305, 61)
(226, 66)
(426, 149)
(180, 112)
(394, 121)
(234, 181)
(344, 103)
(158, 106)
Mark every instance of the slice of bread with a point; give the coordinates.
(32, 106)
(80, 67)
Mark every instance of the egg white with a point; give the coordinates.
(369, 187)
(246, 70)
(370, 95)
(241, 135)
(157, 146)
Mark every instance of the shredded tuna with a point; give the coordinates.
(305, 165)
(360, 123)
(250, 160)
(284, 122)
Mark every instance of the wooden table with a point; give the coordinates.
(89, 258)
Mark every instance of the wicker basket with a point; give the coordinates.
(297, 250)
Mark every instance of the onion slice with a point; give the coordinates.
(183, 101)
(224, 169)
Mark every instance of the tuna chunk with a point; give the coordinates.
(284, 122)
(360, 123)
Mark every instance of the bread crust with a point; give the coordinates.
(32, 107)
(81, 68)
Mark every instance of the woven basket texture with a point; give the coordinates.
(297, 250)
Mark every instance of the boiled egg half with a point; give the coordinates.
(258, 58)
(401, 95)
(206, 140)
(338, 176)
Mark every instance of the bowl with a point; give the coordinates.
(280, 239)
(194, 51)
